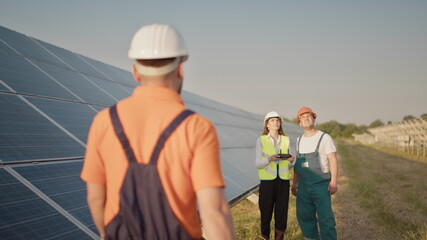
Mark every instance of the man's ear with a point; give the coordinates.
(135, 74)
(181, 70)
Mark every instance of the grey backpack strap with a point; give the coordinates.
(166, 133)
(118, 128)
(318, 144)
(298, 141)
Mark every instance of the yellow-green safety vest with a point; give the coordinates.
(269, 172)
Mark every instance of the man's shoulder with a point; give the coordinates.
(101, 117)
(325, 135)
(198, 121)
(327, 140)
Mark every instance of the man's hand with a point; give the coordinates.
(333, 166)
(294, 189)
(332, 188)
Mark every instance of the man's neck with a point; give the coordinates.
(162, 82)
(310, 132)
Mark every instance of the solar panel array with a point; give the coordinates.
(48, 97)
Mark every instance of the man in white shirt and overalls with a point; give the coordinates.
(315, 179)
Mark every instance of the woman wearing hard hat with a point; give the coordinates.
(273, 163)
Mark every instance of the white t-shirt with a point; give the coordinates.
(309, 144)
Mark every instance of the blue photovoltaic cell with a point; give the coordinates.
(221, 116)
(127, 76)
(244, 160)
(82, 214)
(244, 179)
(74, 117)
(72, 59)
(26, 135)
(23, 77)
(110, 72)
(26, 46)
(117, 91)
(55, 178)
(231, 137)
(79, 85)
(231, 188)
(61, 182)
(4, 48)
(26, 216)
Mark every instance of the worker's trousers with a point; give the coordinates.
(273, 195)
(313, 207)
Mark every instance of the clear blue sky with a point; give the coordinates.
(350, 61)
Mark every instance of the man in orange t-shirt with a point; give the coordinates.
(188, 164)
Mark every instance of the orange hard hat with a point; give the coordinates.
(305, 110)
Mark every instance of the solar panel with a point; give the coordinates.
(61, 183)
(24, 215)
(81, 85)
(27, 135)
(73, 60)
(110, 72)
(48, 97)
(23, 76)
(25, 46)
(116, 91)
(74, 117)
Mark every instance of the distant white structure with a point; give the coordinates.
(364, 138)
(409, 136)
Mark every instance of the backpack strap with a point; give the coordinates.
(118, 128)
(166, 133)
(318, 144)
(298, 141)
(317, 147)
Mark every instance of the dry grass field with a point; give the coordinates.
(382, 196)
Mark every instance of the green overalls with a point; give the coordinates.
(313, 198)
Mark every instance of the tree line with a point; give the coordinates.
(336, 129)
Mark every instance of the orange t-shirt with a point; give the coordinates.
(188, 162)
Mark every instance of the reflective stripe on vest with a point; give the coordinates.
(269, 172)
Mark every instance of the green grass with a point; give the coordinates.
(392, 151)
(418, 235)
(366, 188)
(246, 220)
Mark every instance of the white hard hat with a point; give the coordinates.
(157, 41)
(271, 115)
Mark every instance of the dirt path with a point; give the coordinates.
(381, 196)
